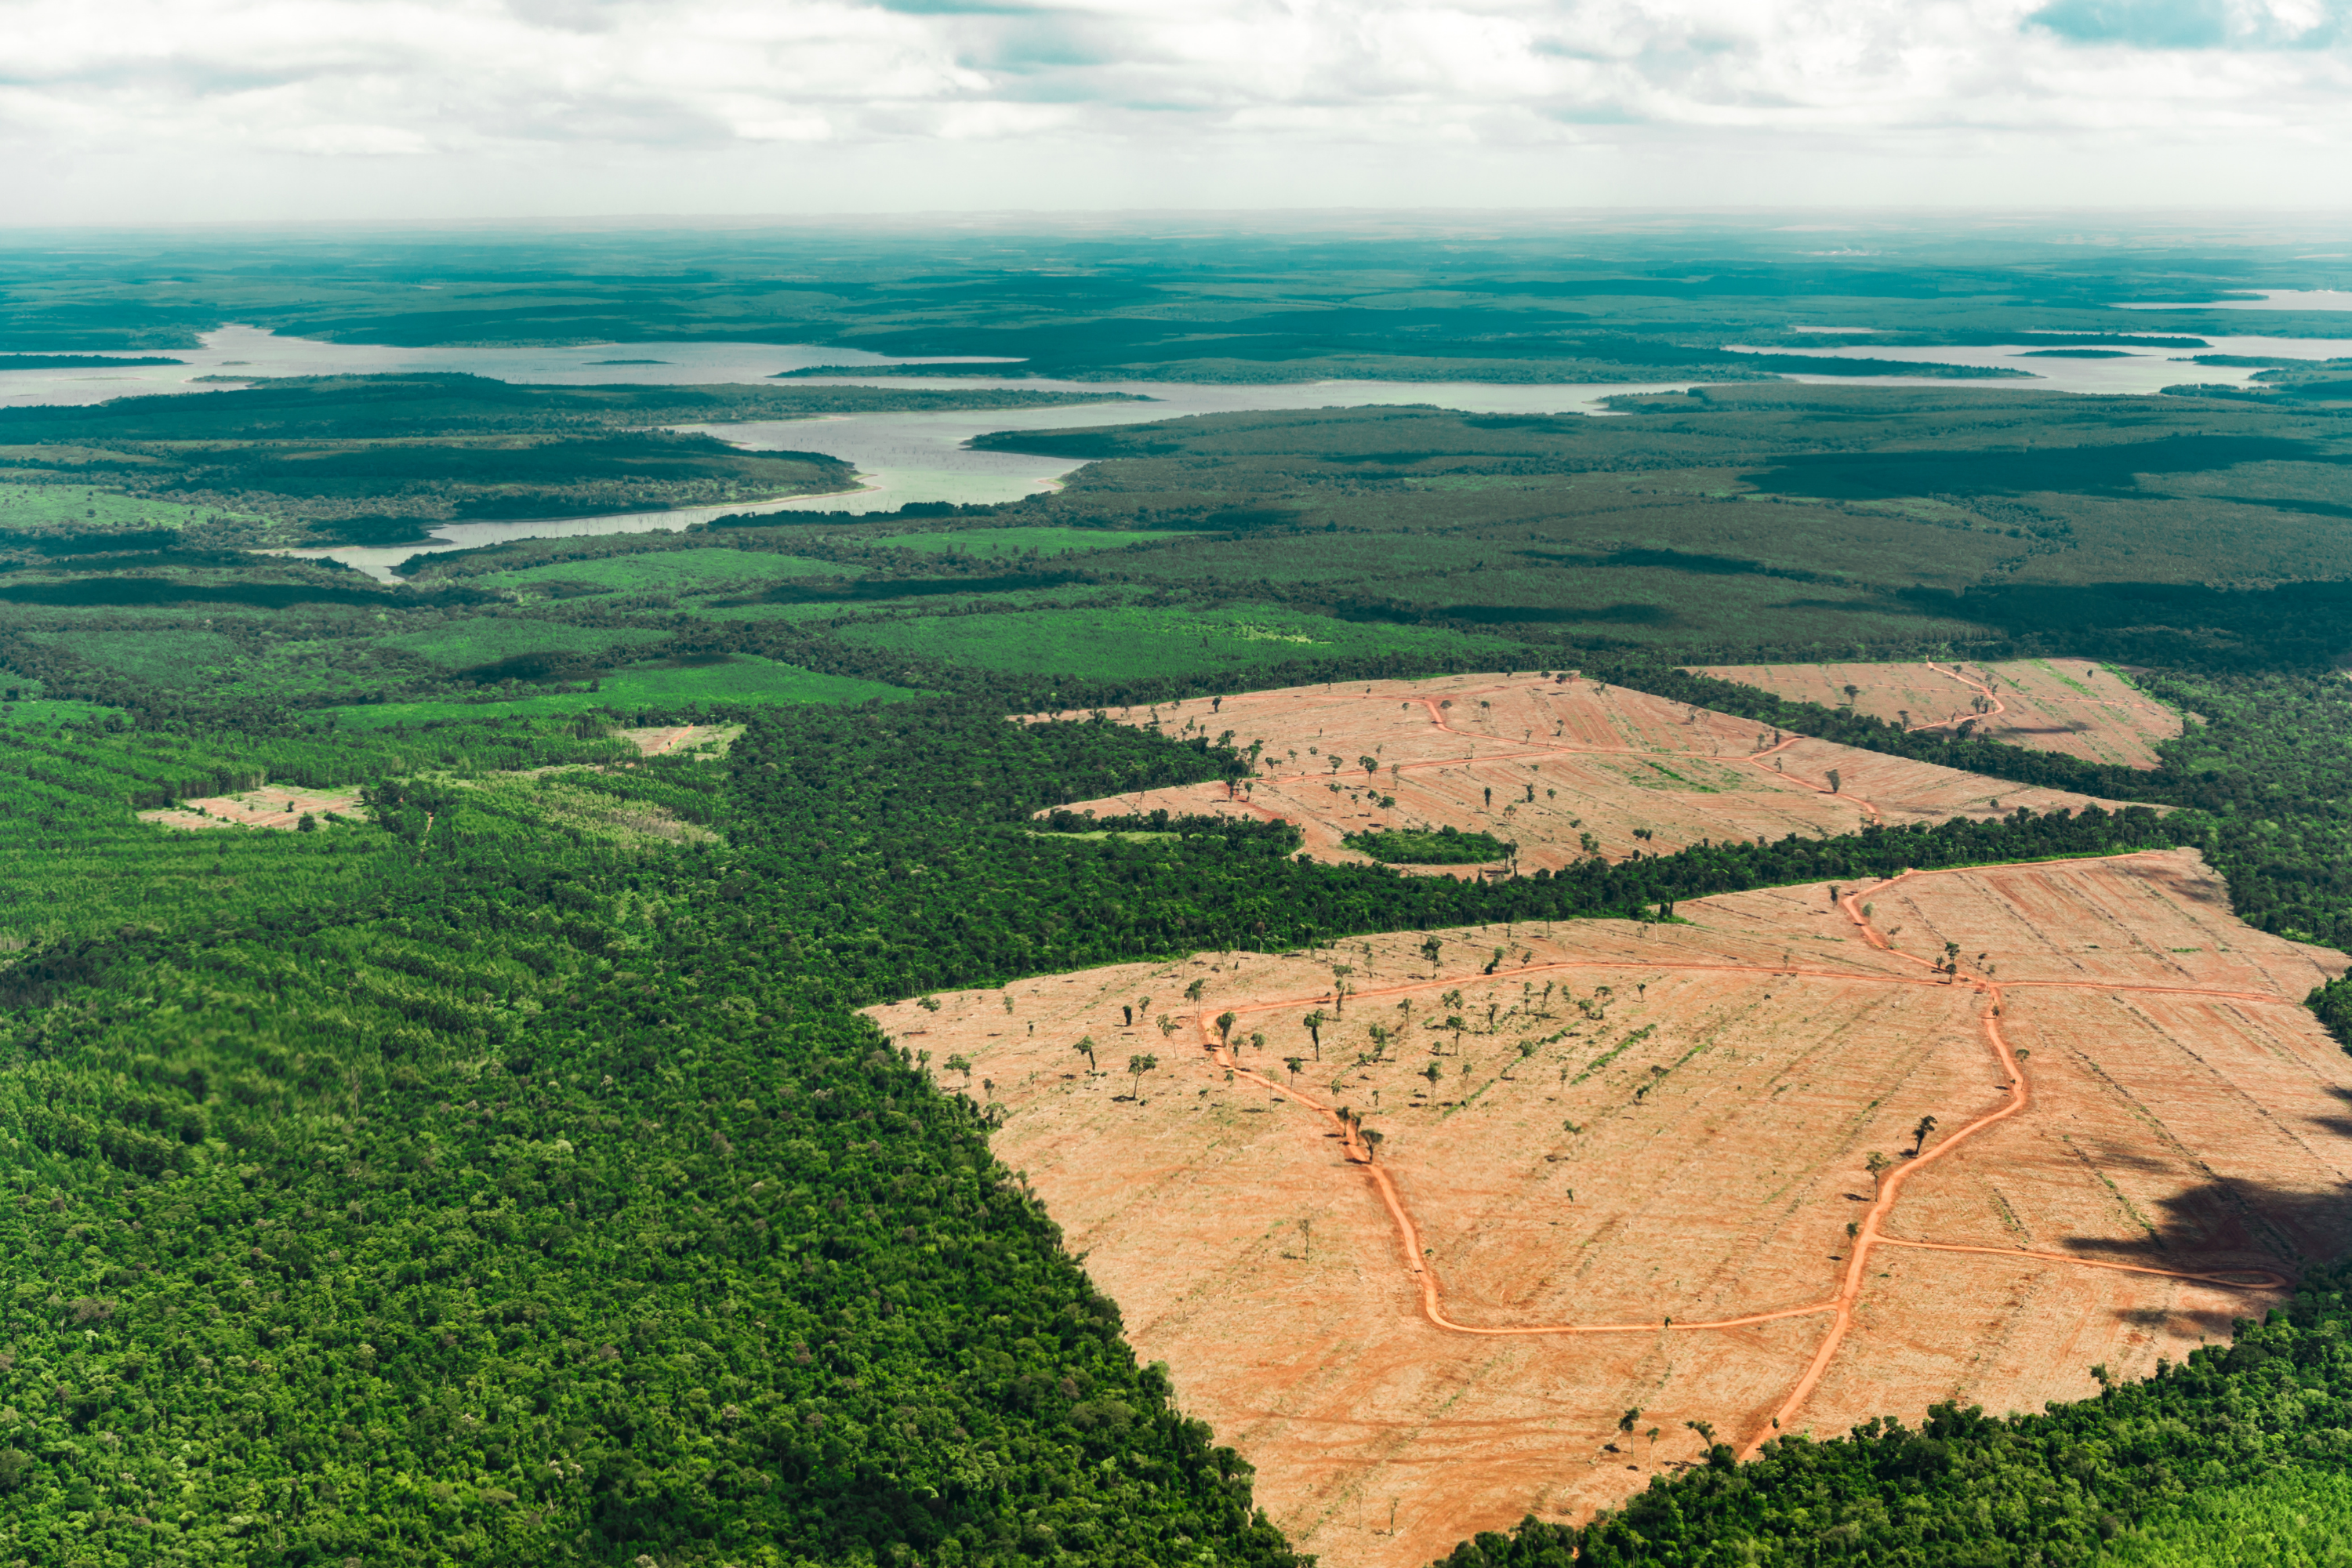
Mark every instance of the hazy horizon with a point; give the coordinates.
(233, 110)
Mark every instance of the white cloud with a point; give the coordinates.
(991, 101)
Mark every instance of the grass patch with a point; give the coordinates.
(670, 686)
(486, 639)
(661, 572)
(1119, 643)
(52, 713)
(1043, 541)
(1420, 847)
(80, 507)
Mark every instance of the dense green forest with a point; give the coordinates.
(498, 1172)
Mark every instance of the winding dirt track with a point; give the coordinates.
(2016, 1100)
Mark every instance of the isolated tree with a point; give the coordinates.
(1374, 1138)
(1852, 693)
(1433, 1074)
(1086, 1048)
(1130, 1016)
(1257, 1041)
(1490, 797)
(1315, 1022)
(1294, 1064)
(1371, 766)
(1625, 1422)
(1706, 1432)
(1836, 783)
(1340, 991)
(1919, 1135)
(1431, 948)
(1192, 992)
(1877, 1165)
(960, 1063)
(1225, 1022)
(1137, 1067)
(1168, 1025)
(1526, 1049)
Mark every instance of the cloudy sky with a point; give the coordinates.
(148, 110)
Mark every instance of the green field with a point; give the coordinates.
(1019, 541)
(1127, 643)
(686, 572)
(486, 639)
(25, 505)
(741, 678)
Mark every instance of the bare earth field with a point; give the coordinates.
(1546, 764)
(280, 806)
(2079, 707)
(1629, 1172)
(662, 740)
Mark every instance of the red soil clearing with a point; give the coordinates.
(1598, 760)
(1638, 1180)
(2079, 707)
(278, 806)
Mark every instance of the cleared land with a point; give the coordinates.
(1563, 767)
(2078, 707)
(1618, 1175)
(278, 806)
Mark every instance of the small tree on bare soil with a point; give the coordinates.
(1919, 1135)
(1294, 1064)
(1625, 1422)
(1315, 1022)
(1086, 1048)
(1431, 948)
(1137, 1067)
(1168, 1025)
(1192, 992)
(1836, 783)
(1877, 1165)
(962, 1064)
(1225, 1027)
